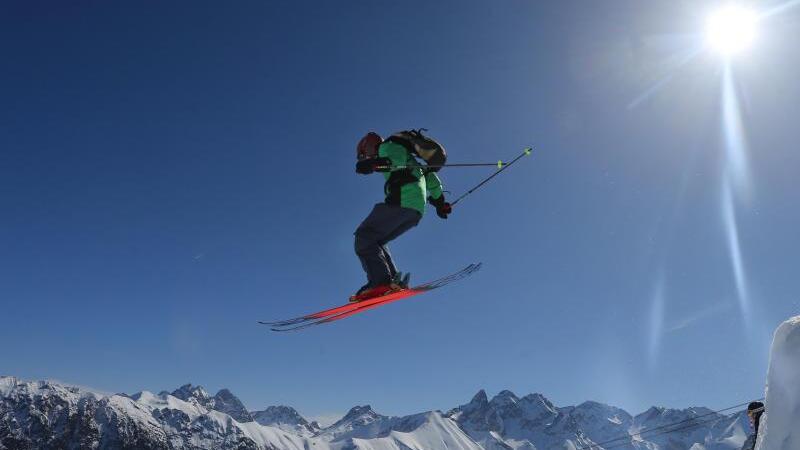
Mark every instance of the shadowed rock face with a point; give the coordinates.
(229, 404)
(224, 401)
(45, 415)
(285, 417)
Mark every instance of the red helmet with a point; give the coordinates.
(368, 146)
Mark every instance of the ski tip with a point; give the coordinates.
(294, 328)
(283, 323)
(528, 151)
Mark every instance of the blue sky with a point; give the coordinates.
(171, 172)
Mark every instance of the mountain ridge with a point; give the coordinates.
(46, 414)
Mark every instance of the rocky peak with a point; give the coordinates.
(481, 414)
(537, 408)
(189, 393)
(479, 402)
(360, 413)
(480, 398)
(600, 410)
(599, 421)
(507, 405)
(359, 422)
(506, 395)
(284, 417)
(224, 401)
(229, 404)
(280, 414)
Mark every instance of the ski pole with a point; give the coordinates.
(498, 164)
(526, 152)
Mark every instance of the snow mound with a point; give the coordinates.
(780, 424)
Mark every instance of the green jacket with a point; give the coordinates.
(407, 184)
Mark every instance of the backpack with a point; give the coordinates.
(422, 146)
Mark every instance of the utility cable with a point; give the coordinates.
(662, 427)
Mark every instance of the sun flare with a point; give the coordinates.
(731, 30)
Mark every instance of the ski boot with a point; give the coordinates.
(398, 283)
(400, 280)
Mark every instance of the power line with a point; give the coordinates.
(689, 426)
(662, 427)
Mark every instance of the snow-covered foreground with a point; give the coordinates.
(48, 415)
(780, 425)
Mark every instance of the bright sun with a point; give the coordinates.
(731, 30)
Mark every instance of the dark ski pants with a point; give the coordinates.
(383, 224)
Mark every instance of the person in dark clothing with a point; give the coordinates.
(754, 411)
(408, 185)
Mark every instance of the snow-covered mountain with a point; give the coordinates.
(509, 422)
(49, 415)
(600, 422)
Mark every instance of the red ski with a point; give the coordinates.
(347, 310)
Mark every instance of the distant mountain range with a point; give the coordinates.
(49, 415)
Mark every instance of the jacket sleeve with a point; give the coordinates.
(434, 185)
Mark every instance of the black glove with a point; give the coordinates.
(367, 166)
(442, 207)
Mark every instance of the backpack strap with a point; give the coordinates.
(392, 187)
(408, 144)
(404, 142)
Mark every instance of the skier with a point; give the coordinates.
(408, 184)
(754, 411)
